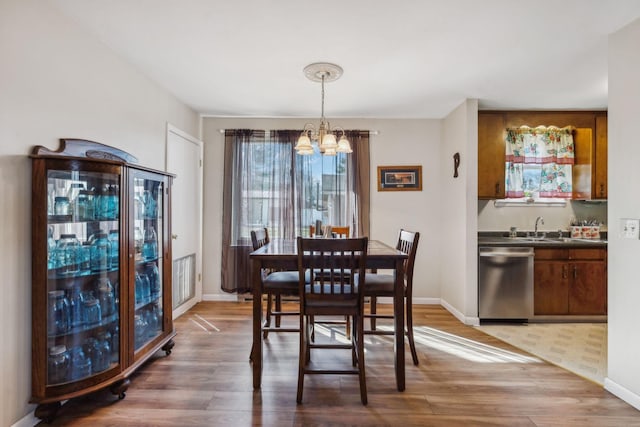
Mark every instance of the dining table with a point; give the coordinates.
(282, 254)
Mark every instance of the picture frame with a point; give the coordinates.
(400, 178)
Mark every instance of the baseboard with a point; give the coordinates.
(471, 321)
(28, 420)
(623, 393)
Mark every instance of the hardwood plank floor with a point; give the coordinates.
(465, 378)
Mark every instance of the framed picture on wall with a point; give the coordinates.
(399, 178)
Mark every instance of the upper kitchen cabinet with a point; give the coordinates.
(491, 155)
(590, 140)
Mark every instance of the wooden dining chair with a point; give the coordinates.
(333, 292)
(275, 284)
(339, 230)
(382, 285)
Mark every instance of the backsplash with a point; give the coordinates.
(492, 218)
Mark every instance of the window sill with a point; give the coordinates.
(529, 202)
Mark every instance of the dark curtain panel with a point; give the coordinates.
(236, 271)
(359, 174)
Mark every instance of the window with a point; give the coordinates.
(268, 185)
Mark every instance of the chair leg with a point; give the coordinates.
(304, 354)
(267, 320)
(372, 310)
(354, 347)
(412, 344)
(278, 309)
(347, 326)
(359, 335)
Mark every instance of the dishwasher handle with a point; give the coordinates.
(506, 252)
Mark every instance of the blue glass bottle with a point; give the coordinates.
(114, 237)
(106, 297)
(80, 364)
(59, 316)
(58, 365)
(150, 245)
(100, 252)
(76, 306)
(151, 270)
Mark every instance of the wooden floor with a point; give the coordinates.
(465, 378)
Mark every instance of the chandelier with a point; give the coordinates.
(323, 137)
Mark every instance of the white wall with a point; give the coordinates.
(623, 374)
(56, 82)
(458, 213)
(399, 142)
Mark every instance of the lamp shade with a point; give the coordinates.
(343, 145)
(329, 142)
(304, 144)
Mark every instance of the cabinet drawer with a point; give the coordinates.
(551, 253)
(588, 253)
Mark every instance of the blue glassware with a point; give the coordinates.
(67, 254)
(150, 244)
(80, 364)
(58, 365)
(107, 297)
(59, 316)
(93, 352)
(114, 243)
(150, 205)
(151, 270)
(100, 252)
(92, 312)
(76, 306)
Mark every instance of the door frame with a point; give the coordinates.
(198, 291)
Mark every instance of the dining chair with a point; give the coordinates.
(382, 285)
(275, 284)
(333, 292)
(339, 230)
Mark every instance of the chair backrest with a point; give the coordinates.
(335, 229)
(408, 243)
(259, 238)
(335, 263)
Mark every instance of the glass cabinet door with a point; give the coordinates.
(83, 274)
(148, 230)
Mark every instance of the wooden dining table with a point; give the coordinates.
(282, 254)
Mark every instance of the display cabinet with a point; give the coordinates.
(101, 270)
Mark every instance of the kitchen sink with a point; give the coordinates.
(554, 239)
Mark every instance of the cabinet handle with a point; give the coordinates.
(575, 272)
(564, 271)
(497, 188)
(174, 236)
(601, 189)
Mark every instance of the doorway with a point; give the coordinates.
(184, 159)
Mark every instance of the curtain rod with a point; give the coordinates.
(371, 132)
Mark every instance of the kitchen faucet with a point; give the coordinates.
(535, 231)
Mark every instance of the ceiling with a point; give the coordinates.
(401, 59)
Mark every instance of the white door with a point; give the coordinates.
(184, 159)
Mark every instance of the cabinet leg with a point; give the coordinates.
(120, 388)
(168, 346)
(47, 411)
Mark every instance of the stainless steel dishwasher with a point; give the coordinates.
(505, 283)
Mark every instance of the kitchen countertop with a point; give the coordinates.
(499, 239)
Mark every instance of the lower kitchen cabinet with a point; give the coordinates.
(570, 281)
